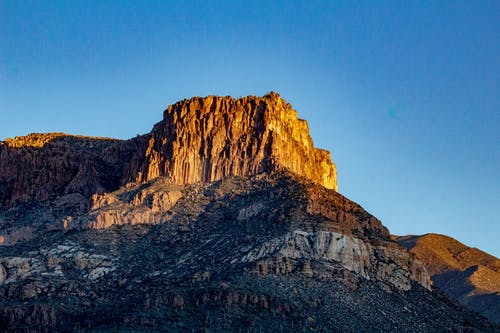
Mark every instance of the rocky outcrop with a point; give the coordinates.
(35, 140)
(35, 270)
(467, 274)
(3, 274)
(208, 139)
(137, 206)
(43, 166)
(36, 319)
(383, 263)
(348, 235)
(250, 252)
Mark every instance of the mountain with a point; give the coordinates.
(225, 217)
(466, 274)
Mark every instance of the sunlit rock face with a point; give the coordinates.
(147, 206)
(208, 139)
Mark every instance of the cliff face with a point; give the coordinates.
(207, 139)
(41, 166)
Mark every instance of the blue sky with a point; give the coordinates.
(404, 94)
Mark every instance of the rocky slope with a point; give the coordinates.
(224, 216)
(259, 253)
(467, 274)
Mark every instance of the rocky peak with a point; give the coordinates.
(199, 139)
(210, 138)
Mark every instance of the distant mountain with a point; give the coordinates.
(467, 274)
(224, 218)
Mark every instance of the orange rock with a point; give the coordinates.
(208, 139)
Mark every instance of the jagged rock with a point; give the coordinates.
(201, 139)
(143, 206)
(13, 235)
(83, 260)
(395, 266)
(148, 277)
(251, 210)
(18, 268)
(99, 272)
(41, 166)
(36, 318)
(208, 139)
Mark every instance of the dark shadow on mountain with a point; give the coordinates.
(455, 283)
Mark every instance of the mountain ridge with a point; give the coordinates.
(241, 136)
(468, 274)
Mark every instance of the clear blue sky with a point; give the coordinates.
(404, 94)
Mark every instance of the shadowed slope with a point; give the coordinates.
(42, 166)
(467, 274)
(273, 252)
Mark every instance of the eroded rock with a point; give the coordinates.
(211, 138)
(376, 262)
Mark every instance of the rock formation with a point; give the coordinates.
(251, 252)
(349, 235)
(200, 139)
(42, 166)
(224, 216)
(208, 139)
